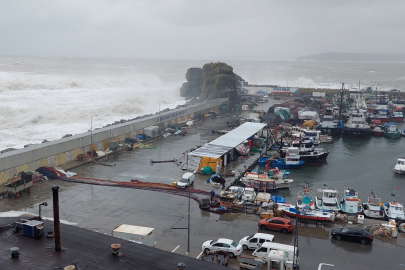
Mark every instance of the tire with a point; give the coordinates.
(338, 237)
(363, 241)
(245, 247)
(231, 255)
(284, 231)
(206, 250)
(263, 227)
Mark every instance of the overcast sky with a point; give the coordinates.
(200, 29)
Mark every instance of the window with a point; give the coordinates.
(262, 249)
(250, 237)
(226, 245)
(234, 244)
(217, 245)
(254, 240)
(261, 241)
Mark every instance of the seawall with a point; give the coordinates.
(62, 151)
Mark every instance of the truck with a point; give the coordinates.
(142, 235)
(276, 260)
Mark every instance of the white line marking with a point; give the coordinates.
(175, 249)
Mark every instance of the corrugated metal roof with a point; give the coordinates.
(238, 135)
(225, 143)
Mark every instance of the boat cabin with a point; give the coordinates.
(229, 198)
(260, 182)
(328, 196)
(395, 210)
(401, 161)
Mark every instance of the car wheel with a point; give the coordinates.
(363, 241)
(338, 237)
(245, 247)
(231, 255)
(284, 231)
(206, 250)
(263, 227)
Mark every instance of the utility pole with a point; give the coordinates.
(91, 136)
(188, 225)
(296, 238)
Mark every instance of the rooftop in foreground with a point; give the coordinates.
(85, 250)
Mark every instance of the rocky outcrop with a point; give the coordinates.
(218, 80)
(192, 88)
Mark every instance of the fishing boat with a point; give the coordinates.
(397, 115)
(400, 166)
(382, 115)
(327, 199)
(277, 198)
(350, 203)
(394, 209)
(286, 163)
(374, 208)
(265, 182)
(392, 132)
(357, 125)
(230, 198)
(307, 213)
(306, 152)
(330, 124)
(305, 198)
(377, 129)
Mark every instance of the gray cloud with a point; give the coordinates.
(199, 29)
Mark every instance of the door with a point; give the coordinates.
(253, 243)
(226, 247)
(261, 252)
(217, 246)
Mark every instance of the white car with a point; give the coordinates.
(256, 240)
(229, 245)
(186, 180)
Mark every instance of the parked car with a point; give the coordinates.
(352, 234)
(256, 240)
(283, 225)
(223, 244)
(186, 180)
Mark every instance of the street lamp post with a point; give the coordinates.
(91, 136)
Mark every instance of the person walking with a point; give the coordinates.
(212, 195)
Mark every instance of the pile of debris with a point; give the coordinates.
(384, 230)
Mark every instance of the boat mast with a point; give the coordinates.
(341, 101)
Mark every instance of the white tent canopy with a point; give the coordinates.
(225, 143)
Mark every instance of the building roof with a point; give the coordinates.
(86, 250)
(225, 143)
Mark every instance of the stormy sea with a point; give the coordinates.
(48, 97)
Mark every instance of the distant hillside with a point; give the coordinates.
(366, 57)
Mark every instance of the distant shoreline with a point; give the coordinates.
(355, 57)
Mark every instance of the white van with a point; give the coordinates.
(186, 180)
(256, 240)
(264, 250)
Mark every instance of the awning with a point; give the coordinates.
(225, 143)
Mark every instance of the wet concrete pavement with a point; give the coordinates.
(102, 209)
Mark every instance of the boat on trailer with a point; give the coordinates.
(351, 203)
(374, 208)
(307, 213)
(327, 199)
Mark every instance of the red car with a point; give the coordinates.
(283, 225)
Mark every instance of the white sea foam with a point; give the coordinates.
(38, 107)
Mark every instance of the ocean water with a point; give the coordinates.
(48, 97)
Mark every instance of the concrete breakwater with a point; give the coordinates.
(59, 152)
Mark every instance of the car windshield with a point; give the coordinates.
(182, 180)
(234, 244)
(248, 192)
(213, 242)
(291, 222)
(250, 237)
(345, 230)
